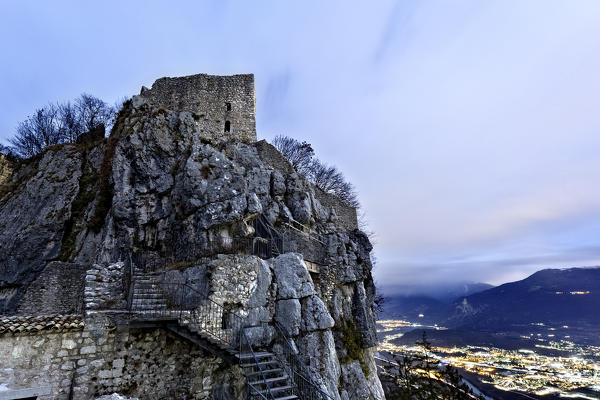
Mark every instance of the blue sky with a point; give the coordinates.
(470, 128)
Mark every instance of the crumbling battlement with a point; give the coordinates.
(223, 106)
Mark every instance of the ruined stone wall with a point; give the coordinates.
(38, 364)
(213, 100)
(149, 364)
(57, 290)
(143, 363)
(271, 157)
(105, 287)
(345, 213)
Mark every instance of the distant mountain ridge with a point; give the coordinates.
(427, 303)
(555, 296)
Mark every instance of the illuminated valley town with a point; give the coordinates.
(550, 365)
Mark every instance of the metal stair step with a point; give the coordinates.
(269, 380)
(259, 363)
(149, 301)
(261, 354)
(149, 297)
(145, 307)
(276, 389)
(265, 371)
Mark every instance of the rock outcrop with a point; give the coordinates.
(159, 190)
(6, 168)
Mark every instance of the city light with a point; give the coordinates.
(522, 370)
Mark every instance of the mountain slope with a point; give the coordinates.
(548, 296)
(426, 303)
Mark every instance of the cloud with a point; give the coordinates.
(470, 129)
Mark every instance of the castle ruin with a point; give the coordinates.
(182, 259)
(223, 106)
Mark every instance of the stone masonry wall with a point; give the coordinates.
(272, 157)
(104, 287)
(57, 290)
(346, 214)
(212, 100)
(149, 364)
(43, 363)
(143, 363)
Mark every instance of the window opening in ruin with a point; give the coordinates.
(225, 321)
(228, 106)
(227, 126)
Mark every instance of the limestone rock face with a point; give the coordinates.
(292, 277)
(158, 188)
(34, 207)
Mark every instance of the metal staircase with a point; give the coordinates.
(193, 316)
(267, 232)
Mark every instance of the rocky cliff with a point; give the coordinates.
(159, 193)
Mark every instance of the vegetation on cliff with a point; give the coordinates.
(58, 123)
(326, 177)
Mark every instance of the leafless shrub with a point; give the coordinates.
(37, 132)
(70, 122)
(326, 177)
(299, 154)
(60, 123)
(93, 112)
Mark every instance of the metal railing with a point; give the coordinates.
(190, 308)
(151, 262)
(268, 242)
(304, 387)
(194, 310)
(263, 229)
(246, 348)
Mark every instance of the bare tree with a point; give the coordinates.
(60, 123)
(37, 132)
(329, 179)
(71, 126)
(299, 154)
(93, 112)
(326, 177)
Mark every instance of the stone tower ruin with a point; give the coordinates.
(222, 106)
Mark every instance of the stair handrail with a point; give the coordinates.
(184, 292)
(230, 245)
(275, 236)
(131, 283)
(298, 368)
(243, 337)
